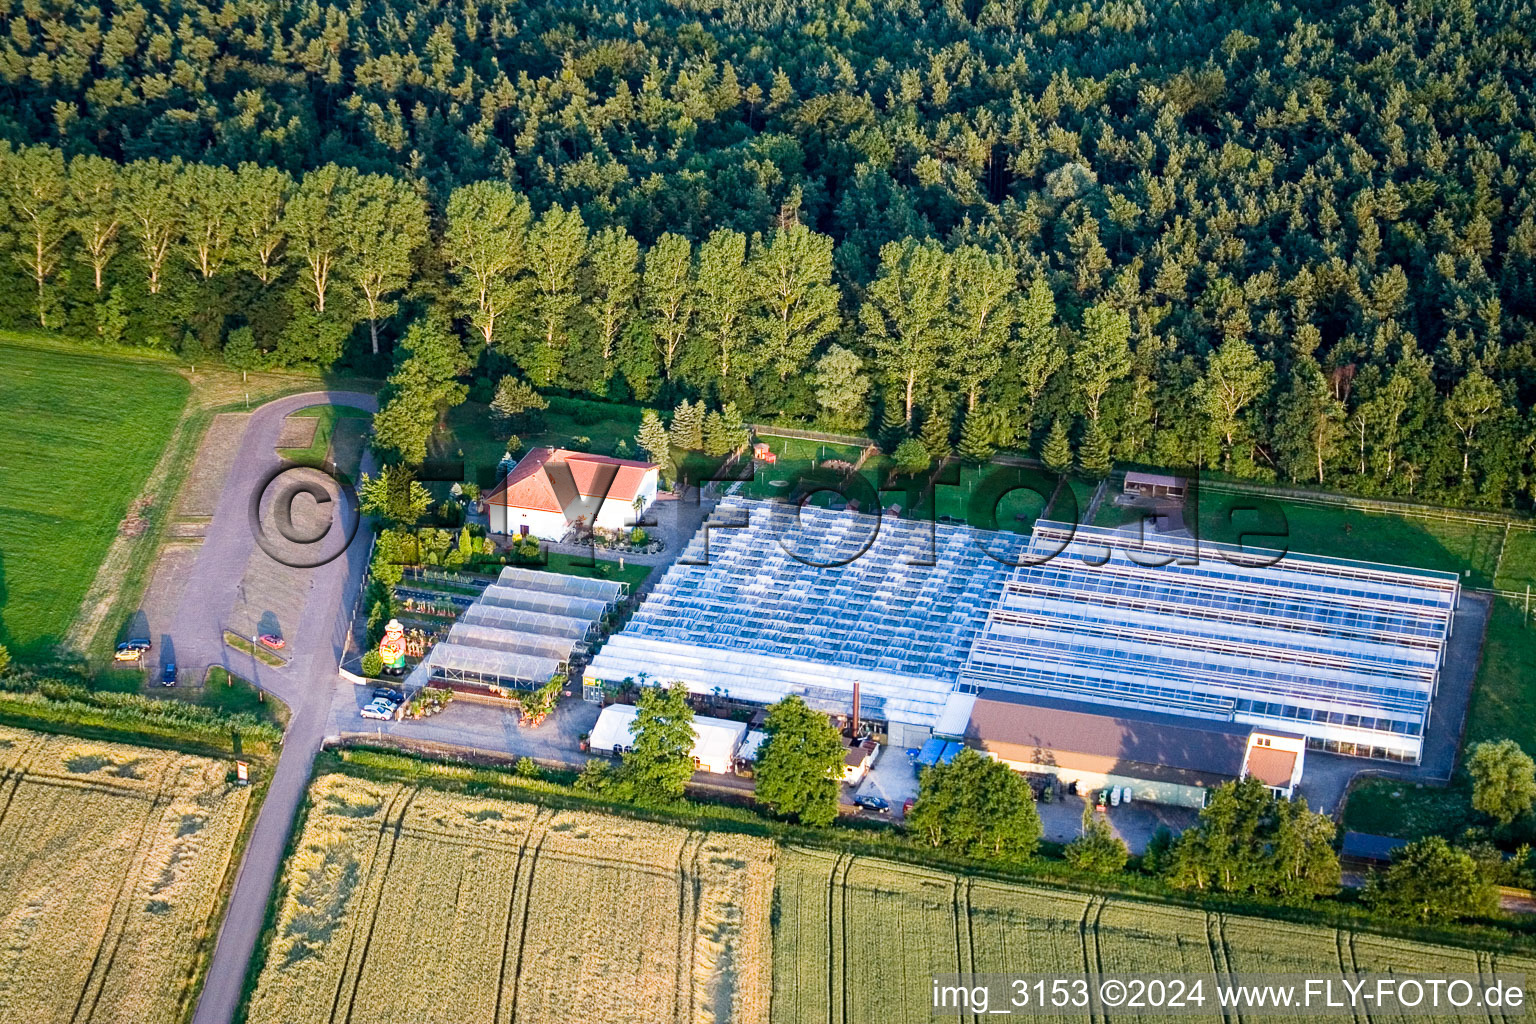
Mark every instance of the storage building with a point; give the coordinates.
(716, 741)
(1163, 758)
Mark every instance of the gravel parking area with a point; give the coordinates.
(298, 431)
(205, 482)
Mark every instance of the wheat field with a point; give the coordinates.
(418, 906)
(111, 861)
(858, 940)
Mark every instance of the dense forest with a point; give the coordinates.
(1291, 240)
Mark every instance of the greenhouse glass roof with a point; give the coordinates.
(1168, 623)
(565, 605)
(607, 591)
(515, 638)
(765, 602)
(514, 641)
(532, 622)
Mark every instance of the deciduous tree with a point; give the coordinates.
(659, 763)
(977, 806)
(800, 766)
(1503, 779)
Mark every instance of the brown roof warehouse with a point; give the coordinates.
(1165, 759)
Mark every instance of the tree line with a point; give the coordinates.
(963, 344)
(1314, 223)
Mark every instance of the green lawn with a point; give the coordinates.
(1389, 538)
(479, 438)
(82, 434)
(1504, 697)
(1408, 810)
(234, 696)
(577, 565)
(798, 458)
(1517, 566)
(327, 415)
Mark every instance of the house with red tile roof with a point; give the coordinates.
(553, 490)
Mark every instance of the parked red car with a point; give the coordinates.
(273, 641)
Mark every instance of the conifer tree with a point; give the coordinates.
(688, 426)
(1056, 453)
(1093, 457)
(935, 433)
(975, 439)
(655, 441)
(893, 423)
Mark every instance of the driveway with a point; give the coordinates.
(1327, 777)
(473, 727)
(315, 638)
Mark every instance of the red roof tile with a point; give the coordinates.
(552, 479)
(1271, 765)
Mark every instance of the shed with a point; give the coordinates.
(716, 741)
(751, 746)
(857, 760)
(1155, 485)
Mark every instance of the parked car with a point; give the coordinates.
(273, 641)
(878, 804)
(168, 674)
(131, 650)
(385, 693)
(382, 710)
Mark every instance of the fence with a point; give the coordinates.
(1401, 508)
(809, 435)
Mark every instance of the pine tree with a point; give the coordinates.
(935, 432)
(655, 441)
(716, 440)
(893, 423)
(724, 432)
(688, 425)
(1093, 458)
(975, 439)
(1056, 453)
(735, 426)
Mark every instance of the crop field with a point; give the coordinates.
(112, 859)
(417, 905)
(82, 434)
(859, 940)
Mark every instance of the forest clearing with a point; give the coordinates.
(112, 859)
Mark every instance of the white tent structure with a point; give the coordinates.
(522, 631)
(716, 741)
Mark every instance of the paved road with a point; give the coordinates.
(306, 683)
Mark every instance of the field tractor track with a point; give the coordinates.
(688, 918)
(524, 895)
(378, 845)
(15, 775)
(512, 915)
(118, 922)
(373, 917)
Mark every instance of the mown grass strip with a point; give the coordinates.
(241, 644)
